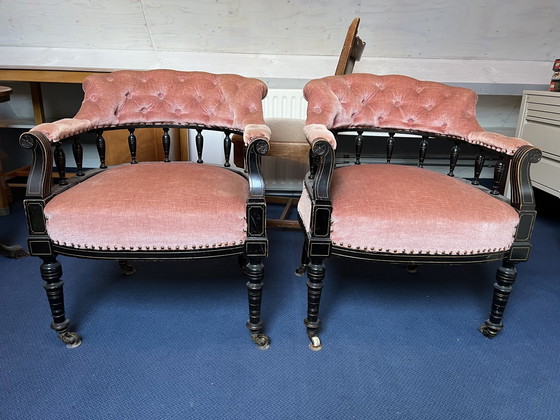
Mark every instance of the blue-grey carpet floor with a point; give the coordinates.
(170, 341)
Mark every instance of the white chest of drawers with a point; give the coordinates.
(539, 124)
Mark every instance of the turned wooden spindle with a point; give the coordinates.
(166, 142)
(422, 151)
(390, 146)
(60, 162)
(78, 152)
(100, 144)
(453, 159)
(227, 149)
(359, 146)
(499, 170)
(132, 145)
(478, 165)
(199, 140)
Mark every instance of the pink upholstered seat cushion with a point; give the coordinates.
(409, 210)
(177, 205)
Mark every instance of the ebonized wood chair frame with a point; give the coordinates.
(318, 246)
(41, 189)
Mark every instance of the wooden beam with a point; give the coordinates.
(39, 75)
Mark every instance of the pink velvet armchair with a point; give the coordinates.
(413, 215)
(151, 210)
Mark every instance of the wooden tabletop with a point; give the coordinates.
(53, 76)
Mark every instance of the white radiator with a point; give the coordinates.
(285, 103)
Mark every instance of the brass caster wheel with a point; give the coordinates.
(412, 268)
(127, 268)
(261, 340)
(300, 271)
(490, 330)
(315, 344)
(71, 339)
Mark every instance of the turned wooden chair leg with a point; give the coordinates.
(51, 272)
(505, 277)
(315, 276)
(255, 271)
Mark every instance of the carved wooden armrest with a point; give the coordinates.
(39, 181)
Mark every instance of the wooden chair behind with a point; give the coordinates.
(288, 141)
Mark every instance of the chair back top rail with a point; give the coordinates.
(395, 102)
(130, 98)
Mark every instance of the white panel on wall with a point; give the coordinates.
(494, 47)
(477, 29)
(115, 24)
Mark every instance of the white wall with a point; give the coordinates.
(491, 45)
(497, 48)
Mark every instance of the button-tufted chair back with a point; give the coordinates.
(172, 97)
(395, 101)
(165, 97)
(400, 103)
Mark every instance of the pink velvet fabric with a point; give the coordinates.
(397, 102)
(409, 210)
(167, 97)
(178, 205)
